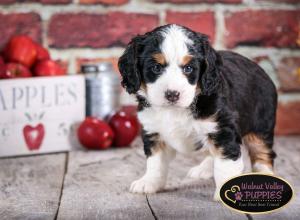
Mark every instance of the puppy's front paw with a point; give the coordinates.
(146, 185)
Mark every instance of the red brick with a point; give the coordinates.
(41, 1)
(20, 23)
(97, 30)
(104, 2)
(112, 60)
(288, 118)
(282, 1)
(276, 28)
(54, 1)
(203, 22)
(289, 74)
(6, 2)
(198, 1)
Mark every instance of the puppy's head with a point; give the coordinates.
(169, 66)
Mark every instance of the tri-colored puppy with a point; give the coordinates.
(192, 98)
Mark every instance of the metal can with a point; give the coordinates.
(102, 89)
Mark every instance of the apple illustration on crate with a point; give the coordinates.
(34, 136)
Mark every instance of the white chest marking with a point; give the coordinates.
(177, 127)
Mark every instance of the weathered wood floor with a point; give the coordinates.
(94, 185)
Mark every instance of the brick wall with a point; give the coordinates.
(79, 30)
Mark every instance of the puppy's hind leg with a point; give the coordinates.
(156, 172)
(204, 170)
(261, 153)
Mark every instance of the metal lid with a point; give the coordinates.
(89, 68)
(104, 66)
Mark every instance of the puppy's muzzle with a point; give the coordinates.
(172, 96)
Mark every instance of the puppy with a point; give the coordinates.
(191, 97)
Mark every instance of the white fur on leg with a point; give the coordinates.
(262, 168)
(156, 173)
(154, 178)
(204, 170)
(224, 169)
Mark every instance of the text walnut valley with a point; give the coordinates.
(262, 191)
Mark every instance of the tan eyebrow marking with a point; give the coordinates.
(186, 59)
(160, 58)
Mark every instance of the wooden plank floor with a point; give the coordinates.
(30, 187)
(94, 185)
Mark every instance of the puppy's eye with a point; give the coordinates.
(188, 69)
(156, 68)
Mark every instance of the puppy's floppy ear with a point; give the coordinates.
(128, 65)
(210, 78)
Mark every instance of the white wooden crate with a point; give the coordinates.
(39, 115)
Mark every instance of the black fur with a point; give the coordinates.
(149, 141)
(234, 89)
(142, 103)
(131, 63)
(128, 65)
(246, 103)
(193, 77)
(209, 60)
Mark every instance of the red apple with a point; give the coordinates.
(95, 134)
(2, 67)
(48, 68)
(21, 49)
(15, 70)
(130, 110)
(42, 53)
(125, 128)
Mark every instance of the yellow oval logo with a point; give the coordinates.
(256, 193)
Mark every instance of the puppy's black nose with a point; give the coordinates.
(172, 96)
